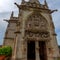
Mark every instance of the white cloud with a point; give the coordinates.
(7, 5)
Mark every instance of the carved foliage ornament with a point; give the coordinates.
(38, 35)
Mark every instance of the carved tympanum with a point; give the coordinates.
(36, 21)
(37, 27)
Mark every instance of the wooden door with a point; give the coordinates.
(30, 50)
(42, 50)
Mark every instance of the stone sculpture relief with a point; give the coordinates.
(37, 23)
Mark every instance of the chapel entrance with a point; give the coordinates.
(42, 50)
(30, 50)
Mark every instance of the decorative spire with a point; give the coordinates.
(32, 1)
(45, 3)
(12, 14)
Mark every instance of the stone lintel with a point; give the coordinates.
(41, 39)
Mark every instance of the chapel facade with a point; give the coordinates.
(32, 34)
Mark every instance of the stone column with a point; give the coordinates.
(20, 48)
(14, 52)
(37, 50)
(18, 44)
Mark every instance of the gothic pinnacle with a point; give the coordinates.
(23, 1)
(12, 14)
(45, 3)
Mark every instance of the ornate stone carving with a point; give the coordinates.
(37, 27)
(36, 21)
(37, 36)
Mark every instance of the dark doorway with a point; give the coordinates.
(42, 50)
(30, 50)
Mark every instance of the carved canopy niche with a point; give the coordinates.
(36, 21)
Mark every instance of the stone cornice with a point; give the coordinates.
(9, 38)
(13, 21)
(40, 9)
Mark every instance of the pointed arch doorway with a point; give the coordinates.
(31, 50)
(42, 50)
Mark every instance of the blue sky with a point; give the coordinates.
(7, 6)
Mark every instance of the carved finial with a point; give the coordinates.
(37, 1)
(23, 1)
(45, 3)
(12, 14)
